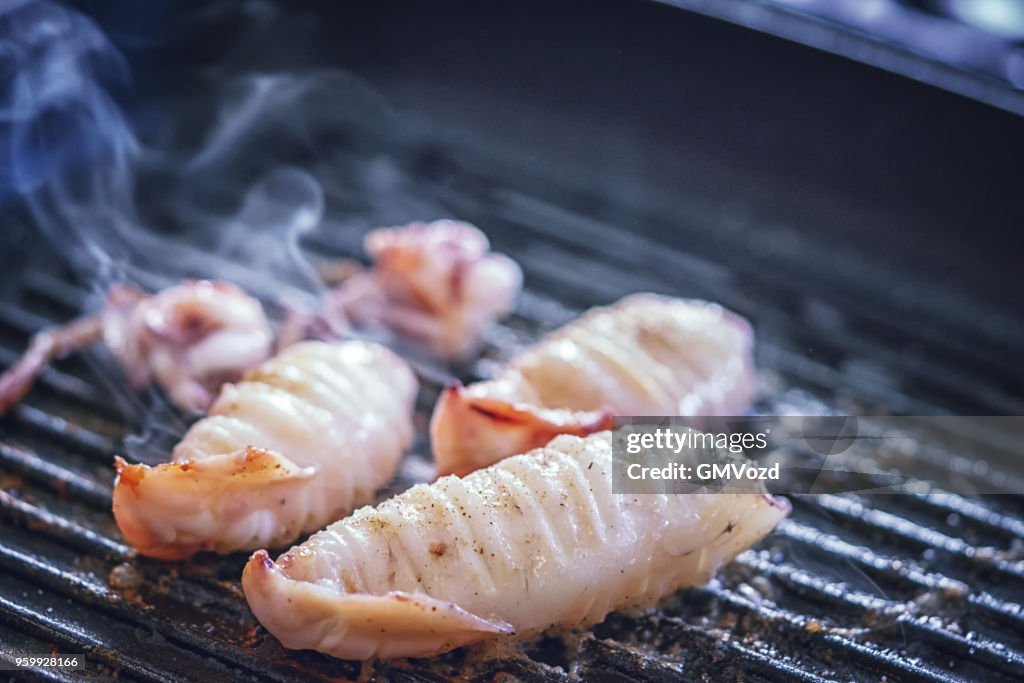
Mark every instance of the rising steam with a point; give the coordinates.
(234, 204)
(232, 197)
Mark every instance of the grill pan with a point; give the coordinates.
(923, 587)
(848, 586)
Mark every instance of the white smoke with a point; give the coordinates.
(261, 162)
(263, 172)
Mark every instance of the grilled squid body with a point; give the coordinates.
(645, 355)
(302, 440)
(537, 541)
(437, 284)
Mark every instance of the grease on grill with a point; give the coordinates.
(124, 577)
(840, 593)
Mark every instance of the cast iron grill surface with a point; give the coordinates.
(925, 587)
(912, 37)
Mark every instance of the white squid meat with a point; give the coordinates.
(536, 542)
(300, 441)
(644, 355)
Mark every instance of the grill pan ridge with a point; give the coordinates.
(923, 587)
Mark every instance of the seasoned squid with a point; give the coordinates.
(535, 542)
(435, 283)
(190, 339)
(645, 355)
(300, 441)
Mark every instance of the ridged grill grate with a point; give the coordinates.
(925, 587)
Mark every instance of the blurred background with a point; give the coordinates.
(866, 150)
(648, 104)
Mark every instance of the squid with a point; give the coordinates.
(189, 339)
(645, 355)
(300, 441)
(436, 284)
(538, 541)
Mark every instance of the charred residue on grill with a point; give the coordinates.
(842, 586)
(828, 591)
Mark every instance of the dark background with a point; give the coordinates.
(649, 105)
(819, 183)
